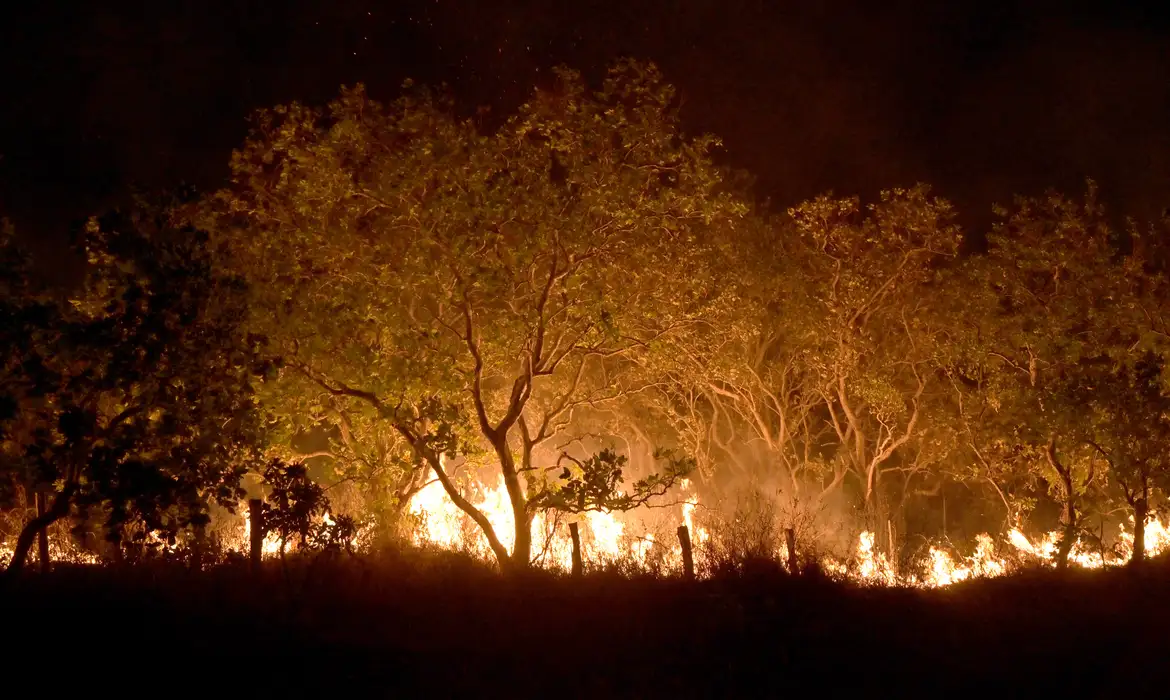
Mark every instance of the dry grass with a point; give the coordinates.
(433, 622)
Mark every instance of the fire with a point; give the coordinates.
(604, 536)
(983, 563)
(699, 534)
(271, 544)
(873, 567)
(59, 551)
(608, 537)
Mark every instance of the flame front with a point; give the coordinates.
(608, 538)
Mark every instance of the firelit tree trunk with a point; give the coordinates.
(1068, 516)
(1066, 543)
(43, 535)
(34, 528)
(575, 534)
(522, 550)
(1141, 510)
(1068, 519)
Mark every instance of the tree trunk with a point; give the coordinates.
(1140, 512)
(199, 546)
(684, 541)
(576, 535)
(255, 532)
(1066, 543)
(522, 550)
(790, 541)
(485, 525)
(43, 535)
(1069, 515)
(35, 527)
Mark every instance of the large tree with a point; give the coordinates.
(476, 291)
(873, 336)
(133, 402)
(1044, 316)
(1126, 389)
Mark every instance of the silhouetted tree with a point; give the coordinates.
(134, 401)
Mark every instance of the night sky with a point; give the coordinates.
(981, 100)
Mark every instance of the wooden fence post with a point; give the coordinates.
(684, 540)
(790, 536)
(890, 530)
(573, 532)
(256, 531)
(43, 535)
(198, 547)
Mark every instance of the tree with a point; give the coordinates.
(873, 339)
(296, 506)
(1126, 389)
(1129, 427)
(477, 292)
(1045, 303)
(134, 401)
(345, 446)
(746, 397)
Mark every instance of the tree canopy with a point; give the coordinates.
(133, 400)
(474, 291)
(436, 299)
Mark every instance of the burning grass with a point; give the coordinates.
(749, 534)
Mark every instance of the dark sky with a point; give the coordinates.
(978, 98)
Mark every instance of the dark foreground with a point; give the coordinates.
(450, 629)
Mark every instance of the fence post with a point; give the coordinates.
(573, 532)
(198, 546)
(256, 531)
(43, 535)
(790, 536)
(684, 540)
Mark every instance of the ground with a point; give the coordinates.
(388, 627)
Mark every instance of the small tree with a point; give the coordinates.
(294, 503)
(134, 401)
(1129, 427)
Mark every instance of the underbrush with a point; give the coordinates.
(448, 625)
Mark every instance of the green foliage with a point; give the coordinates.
(595, 483)
(297, 507)
(440, 291)
(447, 301)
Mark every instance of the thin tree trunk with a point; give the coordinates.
(576, 535)
(790, 541)
(1066, 543)
(255, 532)
(684, 541)
(1140, 513)
(1069, 514)
(485, 525)
(43, 535)
(34, 527)
(522, 550)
